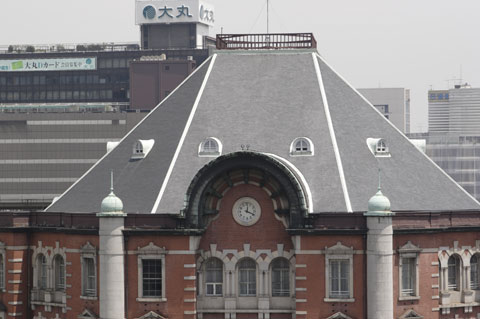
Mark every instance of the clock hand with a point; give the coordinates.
(246, 211)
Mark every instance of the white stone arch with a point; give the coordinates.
(47, 252)
(200, 266)
(62, 252)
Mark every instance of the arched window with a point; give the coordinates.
(474, 273)
(247, 277)
(453, 272)
(378, 147)
(381, 147)
(211, 146)
(59, 266)
(280, 277)
(42, 271)
(301, 146)
(213, 277)
(141, 148)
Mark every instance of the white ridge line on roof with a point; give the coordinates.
(396, 128)
(332, 135)
(133, 129)
(184, 134)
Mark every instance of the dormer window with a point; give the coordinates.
(210, 147)
(378, 147)
(381, 147)
(141, 148)
(301, 146)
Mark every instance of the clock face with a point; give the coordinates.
(246, 211)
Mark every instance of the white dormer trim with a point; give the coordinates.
(141, 148)
(215, 152)
(420, 144)
(111, 145)
(310, 149)
(378, 147)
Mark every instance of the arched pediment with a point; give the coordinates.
(285, 186)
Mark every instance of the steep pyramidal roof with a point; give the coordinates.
(266, 99)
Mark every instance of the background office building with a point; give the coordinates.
(456, 110)
(394, 103)
(61, 103)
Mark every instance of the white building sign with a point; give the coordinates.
(29, 65)
(173, 11)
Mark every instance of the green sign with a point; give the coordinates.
(60, 64)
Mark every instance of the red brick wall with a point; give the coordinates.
(174, 282)
(425, 304)
(227, 234)
(315, 306)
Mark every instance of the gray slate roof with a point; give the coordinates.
(266, 100)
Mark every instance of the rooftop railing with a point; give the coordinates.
(268, 41)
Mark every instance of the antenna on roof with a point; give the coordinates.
(268, 22)
(379, 179)
(111, 180)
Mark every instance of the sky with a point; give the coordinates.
(372, 43)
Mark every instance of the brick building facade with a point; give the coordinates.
(247, 193)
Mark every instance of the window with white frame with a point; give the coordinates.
(378, 147)
(152, 278)
(89, 277)
(151, 273)
(42, 271)
(280, 277)
(141, 148)
(474, 273)
(59, 267)
(408, 271)
(409, 276)
(247, 277)
(454, 268)
(339, 273)
(301, 146)
(89, 271)
(211, 146)
(339, 278)
(213, 277)
(381, 147)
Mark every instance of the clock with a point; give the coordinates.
(246, 211)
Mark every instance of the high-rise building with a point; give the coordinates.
(393, 103)
(454, 111)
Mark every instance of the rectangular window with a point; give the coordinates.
(152, 278)
(409, 274)
(89, 280)
(339, 278)
(247, 282)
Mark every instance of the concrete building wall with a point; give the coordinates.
(394, 103)
(42, 154)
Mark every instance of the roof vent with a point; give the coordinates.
(141, 148)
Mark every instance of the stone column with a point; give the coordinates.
(379, 265)
(112, 268)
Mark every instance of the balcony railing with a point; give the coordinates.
(266, 41)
